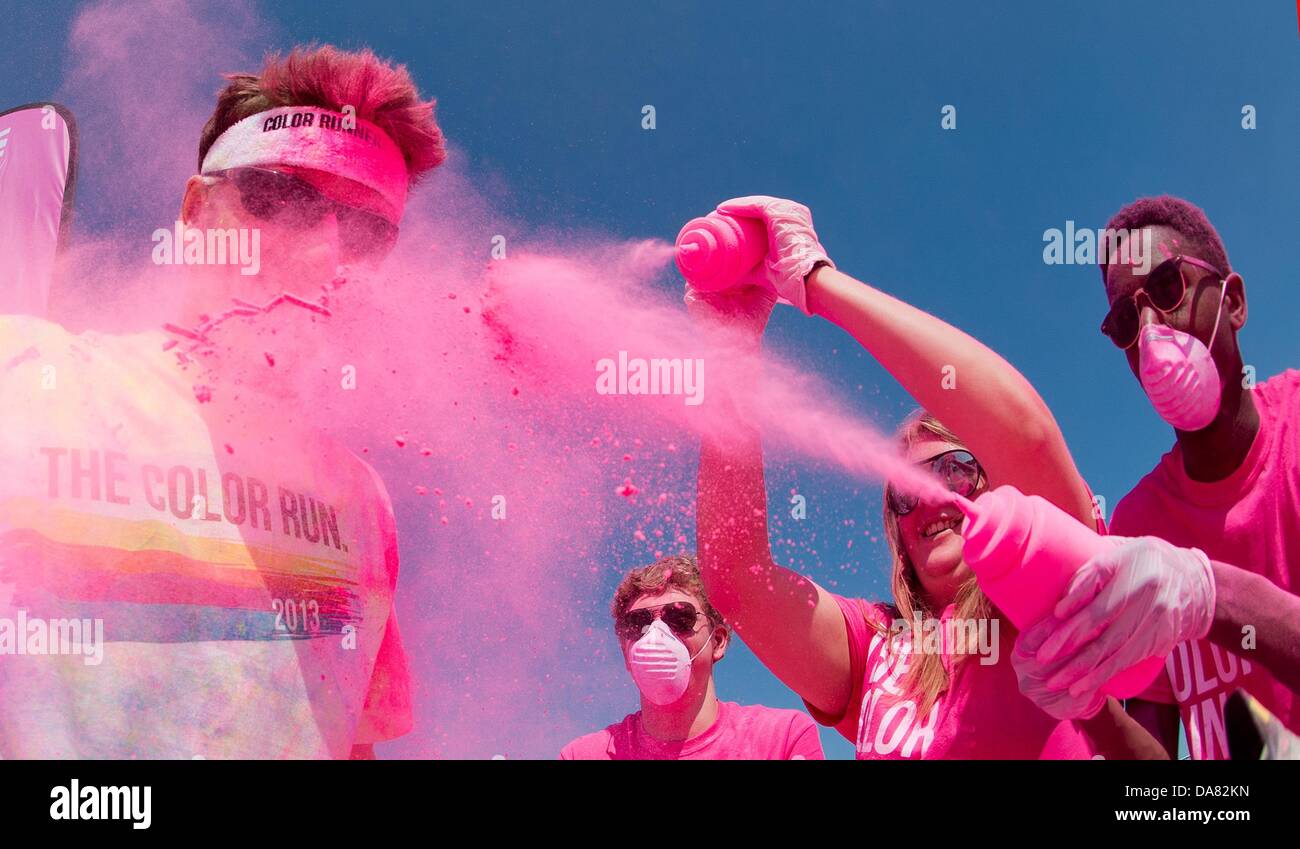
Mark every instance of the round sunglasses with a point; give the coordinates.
(957, 469)
(270, 195)
(1165, 288)
(679, 616)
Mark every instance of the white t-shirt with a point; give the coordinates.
(240, 563)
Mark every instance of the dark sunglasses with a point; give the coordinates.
(1165, 288)
(680, 616)
(286, 199)
(959, 471)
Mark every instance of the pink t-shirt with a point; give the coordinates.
(1250, 519)
(982, 714)
(741, 732)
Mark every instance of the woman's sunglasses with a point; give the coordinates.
(271, 195)
(680, 616)
(959, 471)
(1165, 288)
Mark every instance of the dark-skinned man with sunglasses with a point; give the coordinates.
(671, 637)
(1208, 573)
(231, 566)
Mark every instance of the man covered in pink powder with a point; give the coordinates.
(187, 572)
(1212, 587)
(671, 637)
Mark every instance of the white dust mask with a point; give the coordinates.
(661, 664)
(1179, 374)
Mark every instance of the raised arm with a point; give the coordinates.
(794, 626)
(966, 385)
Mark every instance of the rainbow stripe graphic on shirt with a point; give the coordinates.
(150, 582)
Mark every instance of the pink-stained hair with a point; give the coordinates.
(1178, 214)
(330, 78)
(681, 571)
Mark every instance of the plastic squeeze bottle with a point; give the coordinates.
(1024, 551)
(715, 251)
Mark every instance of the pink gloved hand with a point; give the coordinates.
(792, 245)
(1136, 600)
(1033, 681)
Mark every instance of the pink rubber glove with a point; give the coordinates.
(1033, 681)
(792, 245)
(1136, 600)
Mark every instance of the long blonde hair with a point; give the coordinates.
(926, 678)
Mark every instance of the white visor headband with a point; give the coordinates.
(311, 137)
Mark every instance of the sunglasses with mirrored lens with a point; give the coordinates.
(957, 469)
(1165, 288)
(680, 616)
(270, 195)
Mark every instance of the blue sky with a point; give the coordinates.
(1062, 114)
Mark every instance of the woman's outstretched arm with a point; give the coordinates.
(962, 382)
